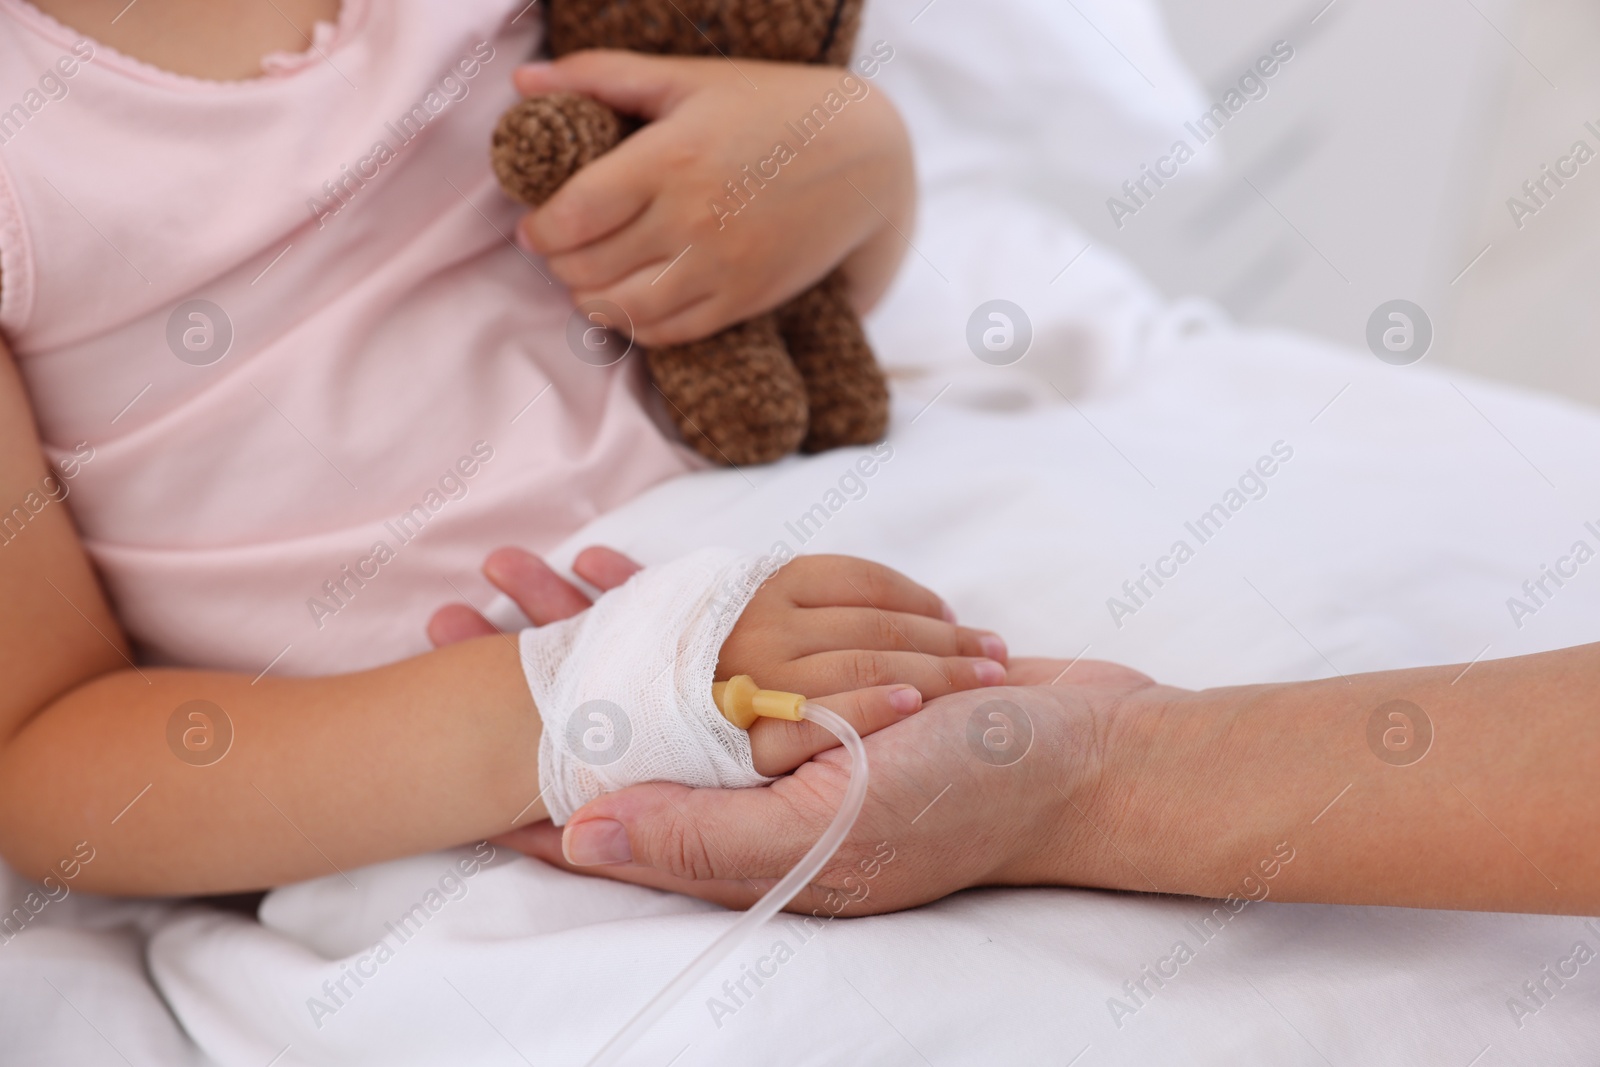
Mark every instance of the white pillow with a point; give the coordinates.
(1032, 89)
(1008, 100)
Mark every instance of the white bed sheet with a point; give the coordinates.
(1393, 537)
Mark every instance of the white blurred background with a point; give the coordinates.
(1381, 161)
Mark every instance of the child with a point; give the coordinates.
(291, 369)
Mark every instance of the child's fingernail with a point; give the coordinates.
(534, 67)
(905, 700)
(948, 611)
(989, 672)
(596, 843)
(994, 646)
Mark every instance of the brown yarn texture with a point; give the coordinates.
(736, 396)
(801, 377)
(784, 31)
(541, 142)
(845, 389)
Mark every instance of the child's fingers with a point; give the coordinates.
(604, 568)
(656, 292)
(608, 260)
(610, 193)
(700, 317)
(780, 746)
(845, 581)
(542, 594)
(841, 672)
(599, 200)
(631, 82)
(827, 629)
(457, 622)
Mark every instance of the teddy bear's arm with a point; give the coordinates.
(548, 138)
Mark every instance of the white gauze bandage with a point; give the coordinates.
(624, 689)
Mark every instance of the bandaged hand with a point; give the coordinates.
(859, 637)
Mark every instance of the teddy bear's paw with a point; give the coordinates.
(845, 388)
(541, 142)
(735, 396)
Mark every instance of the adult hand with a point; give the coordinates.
(989, 787)
(1124, 782)
(637, 226)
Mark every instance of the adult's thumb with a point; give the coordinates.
(694, 834)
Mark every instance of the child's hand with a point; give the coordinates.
(636, 226)
(860, 638)
(833, 624)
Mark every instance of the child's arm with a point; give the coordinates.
(617, 230)
(323, 774)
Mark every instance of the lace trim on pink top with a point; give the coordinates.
(16, 260)
(325, 37)
(16, 250)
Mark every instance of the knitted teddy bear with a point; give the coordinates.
(801, 376)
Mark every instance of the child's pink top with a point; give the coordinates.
(398, 395)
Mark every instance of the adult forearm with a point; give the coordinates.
(1439, 787)
(320, 776)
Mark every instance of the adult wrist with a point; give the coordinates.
(1087, 752)
(1165, 812)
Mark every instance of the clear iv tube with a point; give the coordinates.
(809, 867)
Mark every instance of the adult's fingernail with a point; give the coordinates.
(948, 611)
(994, 646)
(989, 672)
(905, 700)
(522, 239)
(596, 843)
